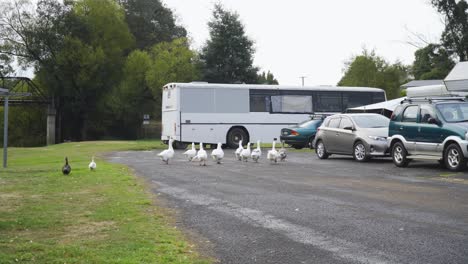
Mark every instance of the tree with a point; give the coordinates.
(431, 63)
(455, 35)
(132, 98)
(171, 62)
(144, 75)
(370, 70)
(151, 22)
(228, 54)
(267, 78)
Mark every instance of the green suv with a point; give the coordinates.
(430, 129)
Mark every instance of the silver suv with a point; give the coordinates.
(361, 135)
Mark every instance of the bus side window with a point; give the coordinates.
(259, 103)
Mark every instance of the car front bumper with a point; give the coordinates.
(377, 148)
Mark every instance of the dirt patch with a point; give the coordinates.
(10, 196)
(85, 230)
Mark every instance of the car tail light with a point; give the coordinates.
(294, 133)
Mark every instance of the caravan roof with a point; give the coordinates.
(457, 80)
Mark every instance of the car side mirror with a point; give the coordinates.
(433, 121)
(348, 128)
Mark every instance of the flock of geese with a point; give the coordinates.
(241, 153)
(66, 169)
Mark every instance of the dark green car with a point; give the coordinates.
(430, 129)
(302, 135)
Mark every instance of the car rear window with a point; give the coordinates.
(310, 123)
(371, 121)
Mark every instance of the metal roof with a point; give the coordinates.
(417, 83)
(272, 87)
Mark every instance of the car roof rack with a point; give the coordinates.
(433, 99)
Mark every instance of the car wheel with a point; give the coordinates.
(321, 151)
(297, 146)
(311, 143)
(399, 155)
(454, 158)
(360, 152)
(236, 134)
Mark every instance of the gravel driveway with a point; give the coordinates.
(307, 210)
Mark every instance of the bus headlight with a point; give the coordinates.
(378, 138)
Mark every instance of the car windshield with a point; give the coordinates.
(308, 123)
(454, 112)
(371, 121)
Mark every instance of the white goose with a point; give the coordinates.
(245, 154)
(217, 154)
(92, 165)
(273, 154)
(191, 152)
(201, 156)
(282, 152)
(167, 154)
(256, 153)
(239, 150)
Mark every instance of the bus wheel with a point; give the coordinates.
(236, 134)
(180, 145)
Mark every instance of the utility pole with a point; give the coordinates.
(302, 77)
(5, 132)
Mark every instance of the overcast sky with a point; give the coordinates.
(314, 38)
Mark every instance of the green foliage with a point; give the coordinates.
(431, 63)
(228, 54)
(455, 35)
(267, 78)
(102, 216)
(171, 62)
(89, 62)
(132, 97)
(151, 22)
(370, 70)
(26, 125)
(144, 75)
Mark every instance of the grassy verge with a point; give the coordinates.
(102, 216)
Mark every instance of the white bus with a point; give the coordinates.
(227, 113)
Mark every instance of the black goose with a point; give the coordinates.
(66, 169)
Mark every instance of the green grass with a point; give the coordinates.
(102, 216)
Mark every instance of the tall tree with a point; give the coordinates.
(455, 35)
(144, 75)
(370, 70)
(267, 78)
(132, 98)
(77, 49)
(228, 54)
(431, 63)
(151, 22)
(171, 62)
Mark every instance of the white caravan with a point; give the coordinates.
(227, 113)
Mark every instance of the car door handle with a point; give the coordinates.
(419, 129)
(401, 128)
(337, 134)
